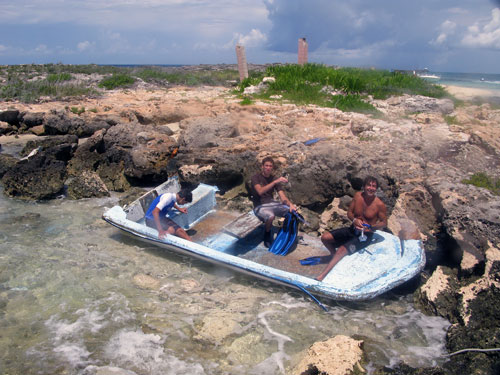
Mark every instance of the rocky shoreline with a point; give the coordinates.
(421, 150)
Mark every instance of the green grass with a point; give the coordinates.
(451, 120)
(77, 111)
(306, 84)
(116, 81)
(188, 78)
(29, 82)
(58, 77)
(30, 91)
(482, 180)
(246, 101)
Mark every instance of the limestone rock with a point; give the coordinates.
(207, 132)
(438, 295)
(40, 177)
(7, 162)
(47, 143)
(32, 119)
(146, 282)
(10, 116)
(86, 185)
(6, 128)
(340, 355)
(217, 326)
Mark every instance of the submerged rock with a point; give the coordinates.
(339, 355)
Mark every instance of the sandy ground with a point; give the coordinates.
(469, 93)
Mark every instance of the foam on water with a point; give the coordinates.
(146, 352)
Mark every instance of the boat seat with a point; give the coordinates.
(242, 225)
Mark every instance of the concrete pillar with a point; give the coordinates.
(302, 51)
(242, 62)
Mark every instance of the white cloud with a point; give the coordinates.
(82, 46)
(447, 29)
(42, 49)
(2, 48)
(487, 36)
(254, 38)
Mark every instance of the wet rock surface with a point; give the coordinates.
(204, 135)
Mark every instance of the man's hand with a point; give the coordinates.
(162, 234)
(281, 180)
(183, 210)
(358, 223)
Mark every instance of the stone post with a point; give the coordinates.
(242, 62)
(302, 51)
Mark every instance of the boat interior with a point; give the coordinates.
(232, 232)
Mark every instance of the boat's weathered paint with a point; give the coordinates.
(383, 265)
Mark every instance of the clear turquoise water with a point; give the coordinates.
(69, 305)
(472, 80)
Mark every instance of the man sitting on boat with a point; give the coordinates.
(156, 215)
(263, 185)
(368, 213)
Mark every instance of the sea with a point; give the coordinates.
(72, 302)
(486, 81)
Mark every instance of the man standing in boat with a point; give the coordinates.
(156, 215)
(264, 184)
(367, 213)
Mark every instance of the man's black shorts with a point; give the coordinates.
(349, 237)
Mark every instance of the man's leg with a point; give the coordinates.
(268, 234)
(175, 229)
(339, 254)
(331, 242)
(182, 234)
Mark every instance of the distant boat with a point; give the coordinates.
(429, 76)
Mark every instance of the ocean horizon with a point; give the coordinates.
(486, 81)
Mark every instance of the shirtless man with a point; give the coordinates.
(367, 212)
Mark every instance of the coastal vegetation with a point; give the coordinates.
(117, 80)
(30, 82)
(347, 89)
(485, 181)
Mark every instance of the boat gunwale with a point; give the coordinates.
(259, 270)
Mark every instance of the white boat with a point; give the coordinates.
(233, 240)
(432, 77)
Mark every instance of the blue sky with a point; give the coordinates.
(444, 35)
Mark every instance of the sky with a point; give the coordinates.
(443, 36)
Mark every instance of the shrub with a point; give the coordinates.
(246, 101)
(77, 111)
(60, 77)
(117, 80)
(482, 180)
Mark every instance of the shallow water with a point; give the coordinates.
(69, 305)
